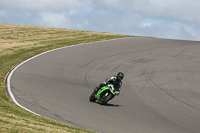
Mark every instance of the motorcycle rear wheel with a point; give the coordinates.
(105, 99)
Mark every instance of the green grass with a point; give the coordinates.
(18, 43)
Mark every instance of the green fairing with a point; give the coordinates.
(104, 94)
(97, 96)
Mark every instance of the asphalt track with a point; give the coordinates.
(160, 92)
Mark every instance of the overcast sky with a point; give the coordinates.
(173, 19)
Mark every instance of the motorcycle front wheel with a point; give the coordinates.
(92, 97)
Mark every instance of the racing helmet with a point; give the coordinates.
(120, 75)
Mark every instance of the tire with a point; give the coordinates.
(92, 97)
(105, 99)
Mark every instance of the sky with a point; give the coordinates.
(171, 19)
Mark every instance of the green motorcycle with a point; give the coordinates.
(104, 94)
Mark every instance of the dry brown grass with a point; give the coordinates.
(17, 35)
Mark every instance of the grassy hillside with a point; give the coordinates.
(18, 43)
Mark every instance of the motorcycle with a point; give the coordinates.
(104, 94)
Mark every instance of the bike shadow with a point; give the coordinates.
(109, 104)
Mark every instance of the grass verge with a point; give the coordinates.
(18, 43)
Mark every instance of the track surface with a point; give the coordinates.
(160, 92)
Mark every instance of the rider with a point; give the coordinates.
(114, 80)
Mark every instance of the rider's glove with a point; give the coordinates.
(102, 84)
